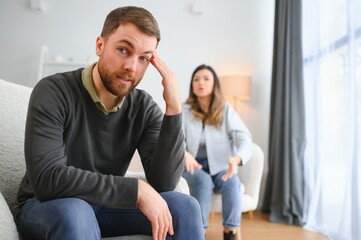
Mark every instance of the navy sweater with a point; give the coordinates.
(73, 150)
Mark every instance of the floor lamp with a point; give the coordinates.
(236, 88)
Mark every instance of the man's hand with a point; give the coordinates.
(190, 163)
(155, 208)
(232, 164)
(170, 86)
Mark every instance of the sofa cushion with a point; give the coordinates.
(7, 225)
(13, 105)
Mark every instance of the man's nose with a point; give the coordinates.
(131, 64)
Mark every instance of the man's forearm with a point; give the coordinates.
(168, 164)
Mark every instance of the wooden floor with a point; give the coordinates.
(260, 228)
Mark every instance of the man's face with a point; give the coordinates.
(123, 58)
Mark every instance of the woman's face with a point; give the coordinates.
(202, 83)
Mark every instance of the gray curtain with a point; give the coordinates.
(285, 185)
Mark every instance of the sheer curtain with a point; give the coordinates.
(332, 85)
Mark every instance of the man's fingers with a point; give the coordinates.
(170, 226)
(161, 231)
(155, 208)
(162, 225)
(155, 229)
(159, 64)
(170, 86)
(166, 224)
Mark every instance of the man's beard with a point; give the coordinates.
(109, 80)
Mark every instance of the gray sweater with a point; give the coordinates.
(73, 150)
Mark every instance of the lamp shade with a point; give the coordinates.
(236, 86)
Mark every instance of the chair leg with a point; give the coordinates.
(238, 234)
(250, 215)
(211, 215)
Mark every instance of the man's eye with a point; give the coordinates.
(144, 59)
(122, 50)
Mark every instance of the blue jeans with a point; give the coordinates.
(202, 185)
(73, 218)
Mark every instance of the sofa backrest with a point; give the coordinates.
(13, 108)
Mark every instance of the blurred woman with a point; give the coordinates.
(217, 142)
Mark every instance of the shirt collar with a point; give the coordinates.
(87, 80)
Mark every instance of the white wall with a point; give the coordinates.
(233, 36)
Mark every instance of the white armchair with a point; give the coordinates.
(250, 175)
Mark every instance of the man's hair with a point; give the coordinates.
(138, 16)
(216, 107)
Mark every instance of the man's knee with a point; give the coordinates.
(66, 218)
(186, 214)
(74, 212)
(181, 205)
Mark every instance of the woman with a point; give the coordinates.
(217, 141)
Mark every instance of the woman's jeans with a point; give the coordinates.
(202, 185)
(73, 218)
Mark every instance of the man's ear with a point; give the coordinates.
(99, 45)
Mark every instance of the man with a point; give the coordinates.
(81, 132)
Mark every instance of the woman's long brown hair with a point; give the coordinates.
(216, 106)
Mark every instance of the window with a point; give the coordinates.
(332, 80)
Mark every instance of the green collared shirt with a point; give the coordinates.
(87, 80)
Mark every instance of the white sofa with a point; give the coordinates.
(13, 109)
